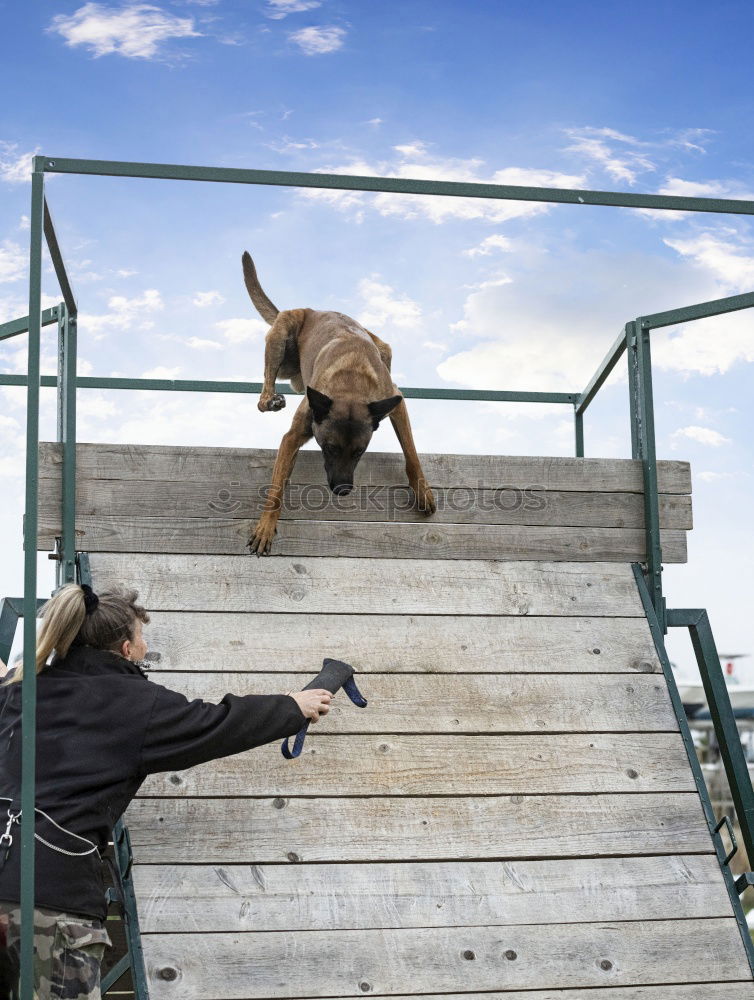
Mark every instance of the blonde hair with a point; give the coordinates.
(65, 623)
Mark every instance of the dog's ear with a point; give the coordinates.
(319, 402)
(380, 409)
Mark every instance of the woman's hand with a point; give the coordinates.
(313, 703)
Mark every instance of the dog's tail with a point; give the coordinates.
(262, 304)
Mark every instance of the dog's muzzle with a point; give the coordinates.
(342, 489)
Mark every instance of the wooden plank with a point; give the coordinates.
(367, 539)
(258, 831)
(379, 586)
(116, 498)
(253, 465)
(432, 894)
(398, 643)
(688, 991)
(386, 962)
(469, 703)
(444, 765)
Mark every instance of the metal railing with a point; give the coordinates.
(634, 339)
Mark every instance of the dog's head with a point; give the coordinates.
(343, 431)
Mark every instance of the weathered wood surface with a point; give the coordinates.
(445, 765)
(398, 643)
(369, 540)
(226, 466)
(688, 991)
(385, 962)
(431, 894)
(116, 498)
(258, 831)
(473, 703)
(379, 586)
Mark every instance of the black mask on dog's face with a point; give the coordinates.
(343, 432)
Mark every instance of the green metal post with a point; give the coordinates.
(578, 421)
(29, 685)
(643, 448)
(66, 567)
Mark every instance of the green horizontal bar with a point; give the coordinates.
(716, 307)
(599, 378)
(57, 262)
(186, 385)
(15, 326)
(398, 185)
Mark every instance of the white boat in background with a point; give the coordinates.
(741, 694)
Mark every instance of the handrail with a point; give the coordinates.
(189, 385)
(723, 719)
(395, 185)
(21, 325)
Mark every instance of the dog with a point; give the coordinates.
(345, 373)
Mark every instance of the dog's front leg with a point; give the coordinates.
(425, 501)
(287, 325)
(300, 432)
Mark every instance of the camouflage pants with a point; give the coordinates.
(68, 951)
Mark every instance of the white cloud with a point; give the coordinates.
(161, 371)
(702, 189)
(136, 31)
(374, 122)
(382, 307)
(15, 167)
(705, 347)
(278, 9)
(13, 261)
(703, 435)
(242, 330)
(620, 155)
(717, 253)
(512, 336)
(204, 299)
(124, 314)
(494, 242)
(316, 41)
(414, 161)
(203, 345)
(712, 477)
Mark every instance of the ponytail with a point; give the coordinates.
(74, 615)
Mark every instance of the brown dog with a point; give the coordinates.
(349, 390)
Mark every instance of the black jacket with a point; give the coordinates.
(102, 727)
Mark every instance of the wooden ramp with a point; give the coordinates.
(514, 816)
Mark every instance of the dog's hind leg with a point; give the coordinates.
(281, 338)
(386, 351)
(425, 501)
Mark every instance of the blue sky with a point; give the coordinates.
(651, 97)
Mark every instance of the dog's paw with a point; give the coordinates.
(260, 542)
(425, 500)
(271, 403)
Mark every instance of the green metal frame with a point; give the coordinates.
(727, 734)
(634, 339)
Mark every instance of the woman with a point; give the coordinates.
(102, 727)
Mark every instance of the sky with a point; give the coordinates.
(648, 97)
